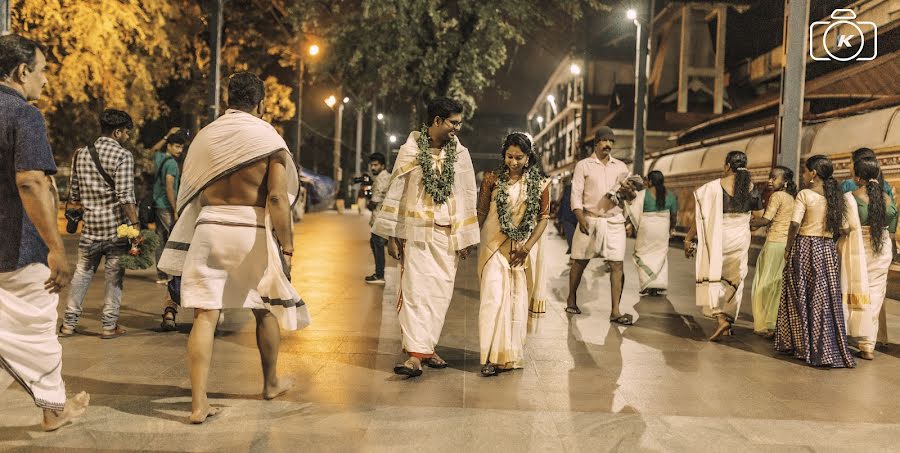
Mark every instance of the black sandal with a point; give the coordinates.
(489, 370)
(431, 363)
(168, 325)
(404, 370)
(625, 320)
(573, 310)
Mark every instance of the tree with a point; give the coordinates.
(426, 48)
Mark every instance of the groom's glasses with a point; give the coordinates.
(455, 124)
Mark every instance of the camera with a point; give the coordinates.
(365, 182)
(73, 217)
(843, 35)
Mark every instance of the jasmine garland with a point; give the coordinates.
(439, 187)
(523, 231)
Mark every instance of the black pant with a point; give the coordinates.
(378, 243)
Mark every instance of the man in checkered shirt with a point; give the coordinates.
(105, 208)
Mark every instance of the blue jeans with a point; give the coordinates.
(378, 243)
(89, 254)
(164, 222)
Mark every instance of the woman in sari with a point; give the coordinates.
(770, 263)
(866, 254)
(722, 230)
(810, 317)
(513, 208)
(653, 212)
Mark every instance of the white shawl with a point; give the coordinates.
(408, 211)
(228, 144)
(708, 215)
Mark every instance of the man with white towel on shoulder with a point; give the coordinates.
(233, 242)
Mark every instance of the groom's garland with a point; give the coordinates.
(523, 231)
(439, 187)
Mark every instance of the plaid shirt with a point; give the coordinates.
(103, 211)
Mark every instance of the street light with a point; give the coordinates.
(540, 120)
(380, 117)
(575, 69)
(314, 50)
(392, 138)
(642, 50)
(330, 101)
(346, 100)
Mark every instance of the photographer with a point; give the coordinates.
(379, 190)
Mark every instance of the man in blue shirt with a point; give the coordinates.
(33, 265)
(166, 179)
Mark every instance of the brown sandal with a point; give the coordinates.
(113, 333)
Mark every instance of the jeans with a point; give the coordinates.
(378, 243)
(89, 254)
(164, 220)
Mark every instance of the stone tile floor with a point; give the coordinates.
(588, 386)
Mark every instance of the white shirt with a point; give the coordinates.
(592, 180)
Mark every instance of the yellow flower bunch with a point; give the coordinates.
(128, 231)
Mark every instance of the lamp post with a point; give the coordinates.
(301, 72)
(4, 18)
(642, 50)
(331, 102)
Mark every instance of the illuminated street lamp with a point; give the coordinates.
(346, 100)
(392, 138)
(575, 69)
(380, 117)
(631, 14)
(330, 101)
(313, 50)
(540, 120)
(642, 50)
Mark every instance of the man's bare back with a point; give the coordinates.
(245, 187)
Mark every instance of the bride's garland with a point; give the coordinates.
(439, 187)
(523, 231)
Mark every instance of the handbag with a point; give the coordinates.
(74, 216)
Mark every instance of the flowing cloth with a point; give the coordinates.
(505, 290)
(234, 141)
(767, 283)
(408, 211)
(863, 278)
(810, 318)
(651, 247)
(723, 243)
(428, 269)
(30, 351)
(605, 239)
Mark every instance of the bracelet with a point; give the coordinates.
(286, 253)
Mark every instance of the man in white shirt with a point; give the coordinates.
(601, 221)
(379, 190)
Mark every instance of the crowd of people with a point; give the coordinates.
(224, 214)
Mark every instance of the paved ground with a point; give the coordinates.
(656, 386)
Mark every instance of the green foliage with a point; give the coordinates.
(143, 260)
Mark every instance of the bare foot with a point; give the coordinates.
(200, 416)
(284, 384)
(75, 406)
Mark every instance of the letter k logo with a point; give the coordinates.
(844, 41)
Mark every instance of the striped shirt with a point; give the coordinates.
(103, 211)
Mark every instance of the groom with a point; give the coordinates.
(429, 219)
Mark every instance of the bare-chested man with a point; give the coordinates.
(236, 190)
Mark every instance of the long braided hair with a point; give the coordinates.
(867, 170)
(834, 196)
(658, 181)
(737, 161)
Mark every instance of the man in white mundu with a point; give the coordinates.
(236, 191)
(597, 185)
(429, 219)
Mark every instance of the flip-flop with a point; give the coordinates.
(490, 370)
(431, 363)
(625, 320)
(573, 310)
(404, 370)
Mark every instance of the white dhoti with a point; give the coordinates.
(227, 262)
(30, 351)
(605, 239)
(726, 294)
(426, 288)
(503, 315)
(651, 250)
